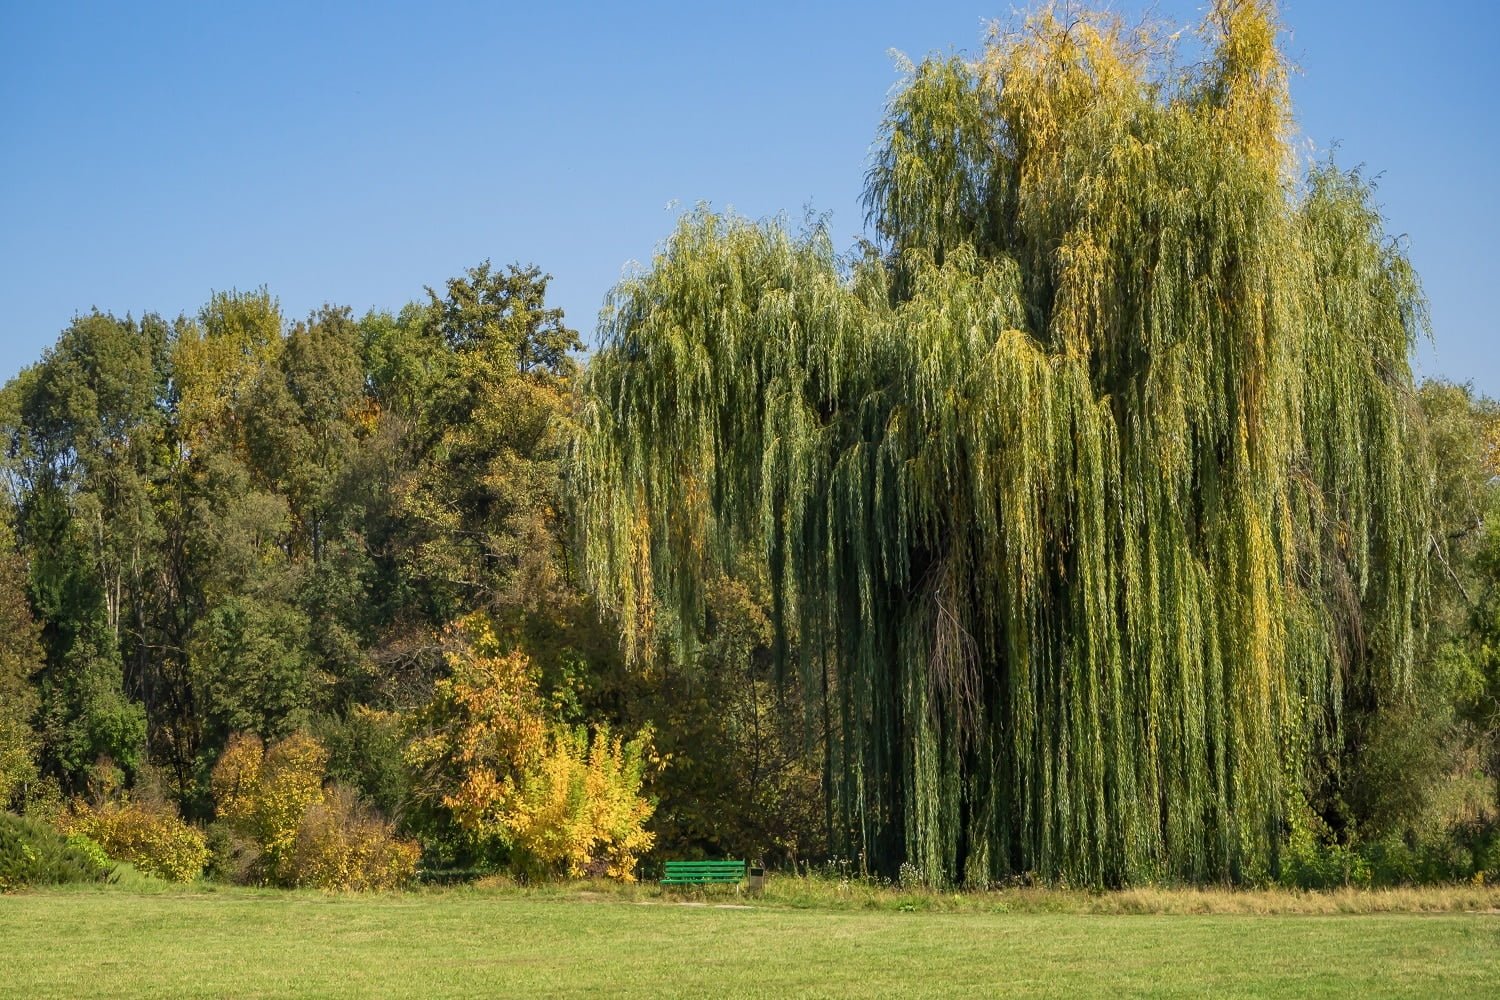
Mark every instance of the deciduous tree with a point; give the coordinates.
(1099, 480)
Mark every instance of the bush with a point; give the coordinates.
(149, 835)
(279, 825)
(1466, 852)
(343, 845)
(89, 848)
(264, 792)
(32, 853)
(483, 729)
(504, 782)
(1308, 864)
(232, 857)
(581, 812)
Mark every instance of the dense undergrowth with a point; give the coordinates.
(32, 853)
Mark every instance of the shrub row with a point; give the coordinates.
(1464, 854)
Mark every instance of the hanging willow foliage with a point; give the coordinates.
(1091, 495)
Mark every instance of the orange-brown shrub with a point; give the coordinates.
(341, 844)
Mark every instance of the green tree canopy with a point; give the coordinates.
(1098, 480)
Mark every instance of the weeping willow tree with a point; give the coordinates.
(1092, 495)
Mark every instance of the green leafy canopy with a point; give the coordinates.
(1097, 480)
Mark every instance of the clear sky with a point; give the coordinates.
(354, 153)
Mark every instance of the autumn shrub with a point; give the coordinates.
(89, 848)
(580, 812)
(342, 844)
(482, 730)
(33, 853)
(148, 834)
(272, 800)
(264, 792)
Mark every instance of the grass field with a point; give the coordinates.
(134, 941)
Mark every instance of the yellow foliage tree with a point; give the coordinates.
(482, 731)
(265, 793)
(486, 753)
(216, 360)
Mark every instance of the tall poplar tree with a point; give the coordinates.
(1093, 494)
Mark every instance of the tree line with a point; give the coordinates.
(1086, 525)
(229, 526)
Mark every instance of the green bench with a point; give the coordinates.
(704, 873)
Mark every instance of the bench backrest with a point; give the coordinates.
(706, 871)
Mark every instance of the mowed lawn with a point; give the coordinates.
(246, 943)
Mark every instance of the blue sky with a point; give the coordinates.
(354, 153)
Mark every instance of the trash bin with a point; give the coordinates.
(757, 880)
